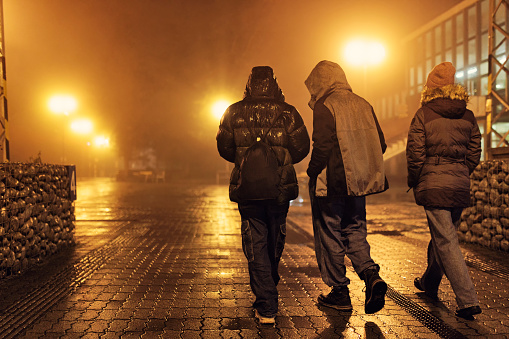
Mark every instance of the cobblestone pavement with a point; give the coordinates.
(165, 261)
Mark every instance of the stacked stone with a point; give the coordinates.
(487, 221)
(36, 214)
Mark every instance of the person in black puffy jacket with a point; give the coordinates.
(443, 148)
(264, 112)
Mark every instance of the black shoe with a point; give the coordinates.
(431, 294)
(338, 298)
(469, 312)
(375, 291)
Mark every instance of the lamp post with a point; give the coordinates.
(84, 127)
(63, 104)
(364, 53)
(99, 142)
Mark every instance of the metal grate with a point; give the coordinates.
(423, 316)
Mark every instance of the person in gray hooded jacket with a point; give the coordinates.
(443, 148)
(346, 165)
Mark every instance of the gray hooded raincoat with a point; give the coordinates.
(347, 139)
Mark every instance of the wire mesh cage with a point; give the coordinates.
(486, 222)
(36, 214)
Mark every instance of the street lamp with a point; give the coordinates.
(101, 141)
(82, 126)
(219, 107)
(63, 104)
(364, 53)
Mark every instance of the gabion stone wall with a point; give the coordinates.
(487, 221)
(36, 214)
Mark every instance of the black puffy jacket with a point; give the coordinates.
(443, 148)
(249, 118)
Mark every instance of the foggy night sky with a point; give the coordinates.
(149, 70)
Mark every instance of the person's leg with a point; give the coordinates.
(276, 236)
(330, 251)
(254, 243)
(329, 248)
(354, 232)
(431, 278)
(448, 254)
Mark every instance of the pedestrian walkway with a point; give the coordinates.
(165, 261)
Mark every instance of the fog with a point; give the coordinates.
(147, 72)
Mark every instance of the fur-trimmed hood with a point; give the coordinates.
(449, 101)
(454, 92)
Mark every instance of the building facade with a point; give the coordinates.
(462, 36)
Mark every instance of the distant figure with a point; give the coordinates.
(264, 136)
(346, 165)
(444, 147)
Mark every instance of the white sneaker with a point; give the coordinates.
(264, 320)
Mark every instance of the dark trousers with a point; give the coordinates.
(339, 226)
(263, 239)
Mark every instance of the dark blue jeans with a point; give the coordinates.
(263, 239)
(339, 226)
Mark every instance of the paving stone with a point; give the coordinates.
(42, 327)
(61, 326)
(111, 335)
(117, 325)
(136, 325)
(98, 326)
(80, 326)
(142, 313)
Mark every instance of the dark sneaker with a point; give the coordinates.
(338, 298)
(469, 312)
(431, 294)
(375, 291)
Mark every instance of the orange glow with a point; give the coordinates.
(101, 141)
(62, 104)
(364, 52)
(82, 126)
(219, 107)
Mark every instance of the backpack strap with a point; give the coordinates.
(271, 125)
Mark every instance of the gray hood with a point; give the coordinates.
(326, 77)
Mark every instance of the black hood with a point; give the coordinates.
(262, 84)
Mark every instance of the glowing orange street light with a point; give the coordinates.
(219, 107)
(62, 104)
(364, 53)
(82, 126)
(101, 141)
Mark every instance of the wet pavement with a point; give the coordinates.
(165, 261)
